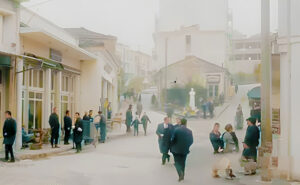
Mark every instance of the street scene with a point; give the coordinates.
(149, 92)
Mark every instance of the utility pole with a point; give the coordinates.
(266, 132)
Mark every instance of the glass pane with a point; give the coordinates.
(64, 98)
(35, 76)
(41, 79)
(67, 84)
(31, 95)
(38, 114)
(52, 80)
(30, 78)
(0, 76)
(64, 107)
(30, 114)
(39, 96)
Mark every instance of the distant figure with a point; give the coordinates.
(180, 147)
(102, 125)
(86, 116)
(67, 127)
(236, 88)
(211, 108)
(139, 108)
(78, 132)
(135, 123)
(90, 115)
(164, 132)
(128, 118)
(239, 118)
(109, 111)
(231, 142)
(153, 100)
(204, 109)
(215, 139)
(54, 125)
(9, 134)
(145, 120)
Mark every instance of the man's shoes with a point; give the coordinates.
(163, 162)
(181, 178)
(12, 161)
(56, 146)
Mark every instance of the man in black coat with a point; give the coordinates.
(67, 127)
(181, 141)
(251, 140)
(9, 134)
(164, 132)
(54, 124)
(78, 132)
(102, 125)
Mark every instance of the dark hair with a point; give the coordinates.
(67, 111)
(77, 113)
(183, 121)
(8, 112)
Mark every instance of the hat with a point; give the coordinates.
(252, 120)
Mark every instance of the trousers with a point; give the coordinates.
(9, 150)
(102, 132)
(180, 160)
(54, 137)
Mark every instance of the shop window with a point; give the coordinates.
(35, 110)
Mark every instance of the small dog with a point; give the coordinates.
(223, 164)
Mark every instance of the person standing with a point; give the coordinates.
(9, 134)
(54, 125)
(67, 127)
(145, 119)
(102, 125)
(86, 116)
(128, 118)
(215, 139)
(90, 116)
(251, 140)
(77, 130)
(239, 118)
(178, 123)
(180, 147)
(139, 108)
(211, 108)
(164, 132)
(204, 109)
(135, 125)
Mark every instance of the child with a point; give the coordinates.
(135, 123)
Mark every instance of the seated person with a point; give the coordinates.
(26, 138)
(215, 139)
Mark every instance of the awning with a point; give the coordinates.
(43, 62)
(4, 61)
(254, 93)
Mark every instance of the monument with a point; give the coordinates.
(192, 99)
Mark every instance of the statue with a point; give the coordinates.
(192, 99)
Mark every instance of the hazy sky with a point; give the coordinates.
(132, 21)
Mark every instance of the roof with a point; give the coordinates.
(203, 65)
(89, 38)
(254, 93)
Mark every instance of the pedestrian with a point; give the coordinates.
(67, 127)
(230, 140)
(204, 109)
(239, 118)
(164, 132)
(128, 118)
(102, 125)
(145, 120)
(139, 108)
(178, 123)
(215, 139)
(109, 111)
(90, 116)
(9, 134)
(135, 123)
(251, 140)
(211, 108)
(86, 116)
(180, 147)
(77, 130)
(54, 125)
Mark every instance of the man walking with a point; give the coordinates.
(67, 127)
(9, 134)
(54, 125)
(145, 119)
(181, 141)
(164, 132)
(139, 108)
(102, 125)
(128, 118)
(77, 129)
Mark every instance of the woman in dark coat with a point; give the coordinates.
(9, 134)
(78, 132)
(128, 118)
(215, 139)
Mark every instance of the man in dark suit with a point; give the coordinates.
(181, 141)
(78, 132)
(9, 134)
(67, 127)
(164, 132)
(102, 125)
(54, 124)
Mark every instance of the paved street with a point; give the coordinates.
(131, 160)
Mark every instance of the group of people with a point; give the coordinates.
(139, 119)
(228, 141)
(176, 139)
(208, 107)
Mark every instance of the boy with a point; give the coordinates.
(135, 123)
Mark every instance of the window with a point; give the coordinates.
(188, 40)
(36, 78)
(35, 110)
(55, 55)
